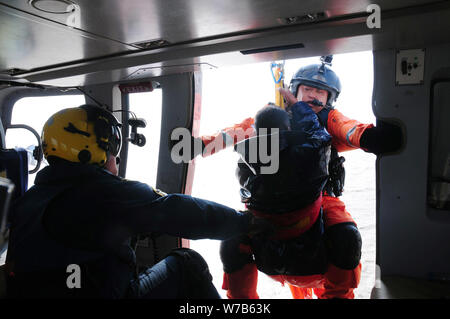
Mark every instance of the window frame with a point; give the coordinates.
(17, 94)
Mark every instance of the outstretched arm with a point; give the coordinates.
(349, 134)
(134, 208)
(188, 217)
(229, 136)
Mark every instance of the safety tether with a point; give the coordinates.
(277, 69)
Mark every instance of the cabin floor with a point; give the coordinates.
(397, 287)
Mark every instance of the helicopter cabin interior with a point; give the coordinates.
(107, 49)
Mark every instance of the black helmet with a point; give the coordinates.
(318, 76)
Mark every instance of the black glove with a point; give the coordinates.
(383, 138)
(259, 226)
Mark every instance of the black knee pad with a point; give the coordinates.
(197, 280)
(232, 257)
(344, 245)
(193, 263)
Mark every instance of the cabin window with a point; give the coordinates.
(439, 151)
(142, 162)
(231, 94)
(35, 111)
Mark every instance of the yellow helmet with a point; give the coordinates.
(85, 134)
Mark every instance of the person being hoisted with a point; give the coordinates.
(319, 87)
(291, 199)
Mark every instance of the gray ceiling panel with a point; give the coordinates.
(28, 42)
(180, 20)
(101, 35)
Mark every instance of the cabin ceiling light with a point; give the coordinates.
(12, 71)
(306, 18)
(151, 44)
(54, 6)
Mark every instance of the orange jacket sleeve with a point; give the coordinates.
(346, 132)
(228, 136)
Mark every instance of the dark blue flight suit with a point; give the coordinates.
(83, 215)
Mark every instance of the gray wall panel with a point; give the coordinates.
(410, 241)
